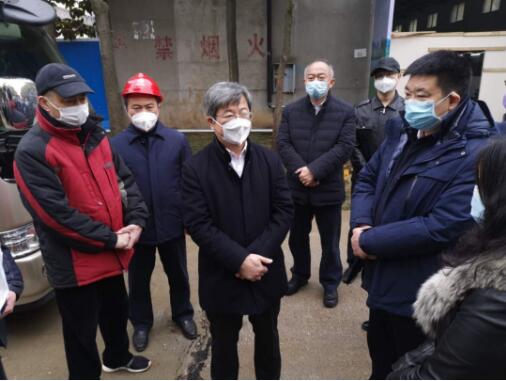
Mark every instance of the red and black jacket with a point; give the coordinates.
(79, 192)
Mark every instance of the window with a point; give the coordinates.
(24, 50)
(457, 12)
(413, 25)
(432, 21)
(491, 5)
(398, 28)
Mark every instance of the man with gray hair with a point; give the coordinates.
(316, 137)
(237, 208)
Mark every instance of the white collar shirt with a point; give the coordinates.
(237, 161)
(318, 108)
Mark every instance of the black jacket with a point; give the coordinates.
(370, 128)
(15, 283)
(323, 142)
(230, 217)
(464, 311)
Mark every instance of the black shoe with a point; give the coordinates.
(365, 325)
(137, 364)
(295, 284)
(330, 298)
(347, 279)
(140, 338)
(188, 328)
(352, 271)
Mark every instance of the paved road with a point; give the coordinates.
(316, 343)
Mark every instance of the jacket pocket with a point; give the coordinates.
(93, 199)
(110, 172)
(423, 193)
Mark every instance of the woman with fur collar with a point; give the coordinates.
(462, 308)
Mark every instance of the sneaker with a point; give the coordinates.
(137, 364)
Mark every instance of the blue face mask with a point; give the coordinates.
(317, 89)
(477, 208)
(421, 115)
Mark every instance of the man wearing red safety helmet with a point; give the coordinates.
(155, 155)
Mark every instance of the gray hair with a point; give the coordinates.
(222, 94)
(331, 69)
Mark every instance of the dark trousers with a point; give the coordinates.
(82, 309)
(3, 376)
(389, 337)
(173, 257)
(350, 257)
(225, 334)
(328, 220)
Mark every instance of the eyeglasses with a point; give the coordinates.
(227, 117)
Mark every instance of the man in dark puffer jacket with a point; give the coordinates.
(316, 137)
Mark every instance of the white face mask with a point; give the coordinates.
(236, 131)
(74, 116)
(385, 84)
(144, 121)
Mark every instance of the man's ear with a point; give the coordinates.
(454, 100)
(210, 122)
(42, 101)
(332, 82)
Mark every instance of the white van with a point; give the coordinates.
(24, 48)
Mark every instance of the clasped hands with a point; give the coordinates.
(355, 243)
(253, 268)
(128, 237)
(306, 177)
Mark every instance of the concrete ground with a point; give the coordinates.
(316, 342)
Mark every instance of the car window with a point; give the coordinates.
(24, 50)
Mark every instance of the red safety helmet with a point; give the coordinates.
(141, 84)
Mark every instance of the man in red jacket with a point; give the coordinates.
(88, 214)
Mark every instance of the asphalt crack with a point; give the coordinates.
(196, 354)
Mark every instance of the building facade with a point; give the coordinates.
(486, 50)
(182, 44)
(476, 28)
(450, 15)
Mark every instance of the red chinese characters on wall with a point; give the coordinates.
(210, 47)
(119, 42)
(163, 48)
(256, 45)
